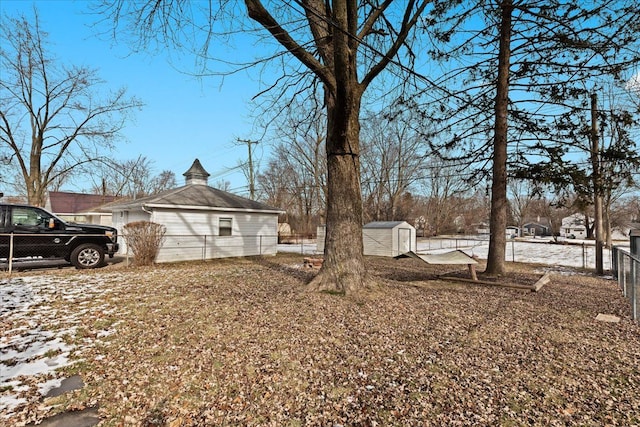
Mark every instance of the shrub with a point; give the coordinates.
(144, 238)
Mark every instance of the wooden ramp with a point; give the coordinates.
(456, 257)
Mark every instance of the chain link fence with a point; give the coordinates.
(33, 249)
(626, 268)
(203, 247)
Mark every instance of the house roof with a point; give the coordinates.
(63, 202)
(194, 196)
(384, 224)
(575, 220)
(534, 224)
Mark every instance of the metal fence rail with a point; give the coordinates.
(537, 251)
(29, 249)
(202, 247)
(40, 247)
(626, 267)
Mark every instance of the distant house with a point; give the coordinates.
(381, 238)
(203, 222)
(79, 207)
(482, 228)
(574, 227)
(535, 229)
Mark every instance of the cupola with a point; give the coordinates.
(196, 174)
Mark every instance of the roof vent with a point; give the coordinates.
(196, 174)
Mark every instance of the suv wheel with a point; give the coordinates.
(87, 255)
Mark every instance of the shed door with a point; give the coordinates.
(404, 240)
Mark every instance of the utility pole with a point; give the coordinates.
(597, 184)
(251, 178)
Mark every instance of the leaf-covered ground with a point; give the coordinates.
(240, 342)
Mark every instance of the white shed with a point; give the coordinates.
(382, 238)
(388, 238)
(203, 222)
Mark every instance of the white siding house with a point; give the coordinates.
(574, 227)
(203, 222)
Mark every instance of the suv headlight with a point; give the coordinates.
(109, 234)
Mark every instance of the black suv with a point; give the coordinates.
(36, 233)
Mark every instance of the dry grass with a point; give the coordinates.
(239, 342)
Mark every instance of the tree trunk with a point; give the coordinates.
(607, 226)
(498, 221)
(343, 269)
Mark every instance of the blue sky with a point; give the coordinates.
(184, 117)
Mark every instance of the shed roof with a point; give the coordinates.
(195, 196)
(385, 224)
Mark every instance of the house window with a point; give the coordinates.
(224, 227)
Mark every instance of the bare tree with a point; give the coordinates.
(51, 119)
(278, 184)
(296, 174)
(522, 194)
(131, 178)
(224, 185)
(445, 187)
(619, 160)
(339, 56)
(343, 45)
(392, 161)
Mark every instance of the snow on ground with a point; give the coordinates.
(36, 332)
(574, 253)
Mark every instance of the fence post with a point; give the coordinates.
(10, 253)
(204, 250)
(623, 282)
(620, 267)
(634, 285)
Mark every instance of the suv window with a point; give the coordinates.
(29, 217)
